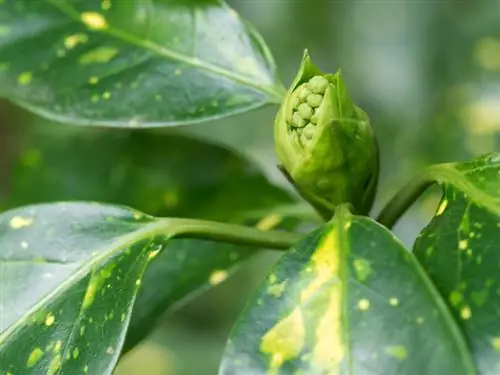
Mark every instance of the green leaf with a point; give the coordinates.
(159, 174)
(69, 276)
(459, 250)
(132, 63)
(347, 299)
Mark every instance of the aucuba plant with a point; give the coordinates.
(84, 277)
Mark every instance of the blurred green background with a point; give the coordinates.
(427, 72)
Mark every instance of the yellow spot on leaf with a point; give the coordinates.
(55, 365)
(24, 245)
(34, 357)
(398, 351)
(269, 222)
(49, 320)
(18, 222)
(94, 21)
(393, 301)
(106, 5)
(177, 72)
(362, 268)
(106, 95)
(363, 304)
(58, 346)
(94, 80)
(217, 277)
(72, 40)
(277, 290)
(442, 207)
(25, 78)
(88, 299)
(285, 340)
(465, 313)
(100, 55)
(462, 244)
(76, 353)
(110, 350)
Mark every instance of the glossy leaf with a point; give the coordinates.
(348, 299)
(70, 273)
(459, 250)
(159, 174)
(132, 63)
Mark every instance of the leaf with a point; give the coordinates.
(132, 63)
(69, 277)
(459, 250)
(347, 299)
(159, 174)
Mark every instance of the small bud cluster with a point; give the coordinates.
(306, 100)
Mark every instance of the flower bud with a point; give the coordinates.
(325, 143)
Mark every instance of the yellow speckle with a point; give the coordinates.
(123, 317)
(153, 254)
(217, 277)
(58, 346)
(465, 313)
(177, 72)
(137, 215)
(49, 320)
(18, 222)
(462, 244)
(158, 97)
(363, 304)
(285, 340)
(94, 21)
(76, 353)
(138, 282)
(82, 330)
(94, 80)
(24, 245)
(34, 357)
(420, 320)
(106, 95)
(398, 351)
(277, 290)
(25, 78)
(4, 30)
(496, 343)
(269, 222)
(442, 207)
(99, 55)
(72, 40)
(106, 5)
(393, 301)
(110, 350)
(88, 299)
(55, 365)
(362, 269)
(455, 297)
(86, 369)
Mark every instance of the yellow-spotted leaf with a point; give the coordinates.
(132, 62)
(459, 249)
(347, 300)
(69, 276)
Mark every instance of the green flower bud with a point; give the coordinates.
(325, 143)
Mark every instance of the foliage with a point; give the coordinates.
(84, 277)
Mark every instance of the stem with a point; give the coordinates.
(231, 233)
(398, 205)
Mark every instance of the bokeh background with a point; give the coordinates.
(427, 72)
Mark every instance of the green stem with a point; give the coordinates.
(398, 205)
(231, 233)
